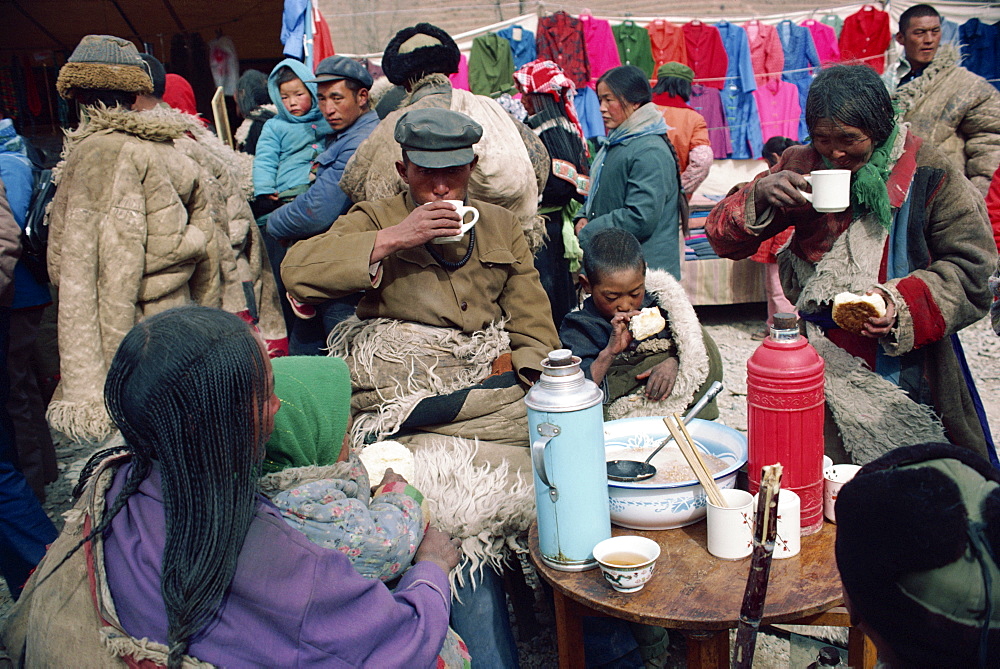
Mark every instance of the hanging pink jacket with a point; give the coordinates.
(602, 50)
(778, 106)
(825, 39)
(461, 78)
(766, 54)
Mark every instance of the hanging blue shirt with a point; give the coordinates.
(738, 102)
(588, 108)
(800, 54)
(524, 48)
(980, 43)
(744, 123)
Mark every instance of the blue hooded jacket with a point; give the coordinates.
(288, 144)
(19, 181)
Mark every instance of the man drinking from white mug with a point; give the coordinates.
(449, 338)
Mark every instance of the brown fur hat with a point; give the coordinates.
(104, 62)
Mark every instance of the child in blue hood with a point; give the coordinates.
(289, 142)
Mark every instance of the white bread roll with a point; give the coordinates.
(646, 323)
(851, 311)
(381, 455)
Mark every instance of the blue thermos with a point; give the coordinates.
(566, 430)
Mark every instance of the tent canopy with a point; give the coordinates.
(57, 25)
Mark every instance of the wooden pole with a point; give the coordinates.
(765, 529)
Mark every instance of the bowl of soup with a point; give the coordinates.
(673, 497)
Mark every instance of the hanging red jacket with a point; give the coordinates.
(993, 206)
(706, 53)
(865, 37)
(322, 42)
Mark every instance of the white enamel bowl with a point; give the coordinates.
(644, 506)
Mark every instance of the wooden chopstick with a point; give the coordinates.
(693, 457)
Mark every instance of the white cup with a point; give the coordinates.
(788, 538)
(639, 552)
(834, 479)
(827, 462)
(831, 190)
(730, 530)
(462, 210)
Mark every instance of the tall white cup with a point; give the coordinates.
(831, 190)
(730, 529)
(788, 539)
(462, 210)
(834, 479)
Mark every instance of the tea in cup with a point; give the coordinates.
(831, 190)
(463, 210)
(627, 562)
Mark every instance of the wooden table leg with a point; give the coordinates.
(569, 632)
(707, 649)
(861, 652)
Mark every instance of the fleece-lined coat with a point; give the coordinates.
(136, 227)
(10, 249)
(957, 112)
(934, 264)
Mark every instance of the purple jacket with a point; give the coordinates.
(291, 603)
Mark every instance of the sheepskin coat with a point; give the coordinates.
(135, 228)
(957, 112)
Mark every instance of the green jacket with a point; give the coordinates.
(636, 193)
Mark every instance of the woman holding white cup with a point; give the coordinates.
(915, 233)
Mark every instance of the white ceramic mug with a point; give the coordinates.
(730, 529)
(462, 210)
(834, 479)
(831, 190)
(788, 538)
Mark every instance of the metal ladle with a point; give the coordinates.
(630, 471)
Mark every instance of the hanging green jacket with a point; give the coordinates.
(491, 65)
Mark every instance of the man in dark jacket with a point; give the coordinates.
(342, 90)
(25, 530)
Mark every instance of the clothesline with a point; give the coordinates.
(795, 71)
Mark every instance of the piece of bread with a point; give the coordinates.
(381, 455)
(851, 311)
(646, 323)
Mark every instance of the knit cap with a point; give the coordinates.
(918, 532)
(104, 62)
(675, 69)
(309, 427)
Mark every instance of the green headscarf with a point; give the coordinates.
(309, 428)
(869, 194)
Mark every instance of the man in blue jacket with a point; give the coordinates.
(342, 91)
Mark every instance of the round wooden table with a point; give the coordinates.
(701, 595)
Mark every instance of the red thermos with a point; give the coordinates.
(785, 413)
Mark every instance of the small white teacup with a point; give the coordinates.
(627, 561)
(834, 479)
(462, 210)
(831, 190)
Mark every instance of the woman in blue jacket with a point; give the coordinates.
(634, 179)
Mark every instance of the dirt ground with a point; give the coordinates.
(731, 328)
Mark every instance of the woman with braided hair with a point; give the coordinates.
(187, 559)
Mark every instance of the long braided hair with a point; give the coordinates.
(188, 388)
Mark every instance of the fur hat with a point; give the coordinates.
(419, 50)
(918, 532)
(104, 62)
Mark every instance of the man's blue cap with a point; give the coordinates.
(335, 68)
